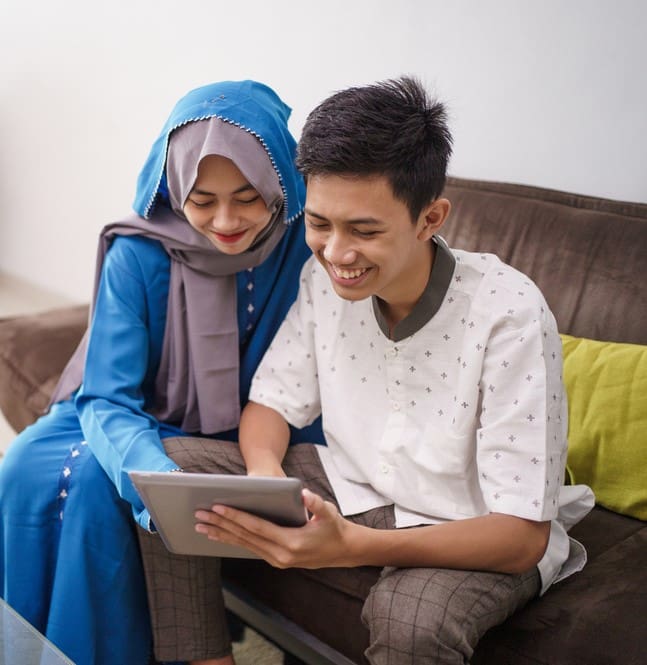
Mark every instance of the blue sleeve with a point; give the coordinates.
(123, 350)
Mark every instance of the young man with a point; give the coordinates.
(437, 373)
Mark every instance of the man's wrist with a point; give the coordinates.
(263, 462)
(365, 545)
(266, 470)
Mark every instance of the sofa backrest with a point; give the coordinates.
(588, 255)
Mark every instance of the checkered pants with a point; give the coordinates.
(414, 615)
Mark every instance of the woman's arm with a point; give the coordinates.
(111, 401)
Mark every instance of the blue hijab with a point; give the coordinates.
(252, 106)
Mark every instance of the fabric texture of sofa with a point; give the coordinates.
(589, 257)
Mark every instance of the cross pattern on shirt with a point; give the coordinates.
(414, 384)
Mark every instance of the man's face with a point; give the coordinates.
(365, 239)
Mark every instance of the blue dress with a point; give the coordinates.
(70, 559)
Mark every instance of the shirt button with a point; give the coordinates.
(384, 468)
(395, 406)
(393, 352)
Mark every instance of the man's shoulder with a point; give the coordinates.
(495, 285)
(481, 265)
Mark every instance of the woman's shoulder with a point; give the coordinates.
(137, 253)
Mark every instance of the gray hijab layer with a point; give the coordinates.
(196, 387)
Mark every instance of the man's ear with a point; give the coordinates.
(432, 217)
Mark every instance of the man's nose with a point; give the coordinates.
(338, 250)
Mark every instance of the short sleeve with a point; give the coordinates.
(521, 442)
(286, 379)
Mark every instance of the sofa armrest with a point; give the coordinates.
(33, 351)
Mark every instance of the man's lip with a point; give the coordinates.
(348, 280)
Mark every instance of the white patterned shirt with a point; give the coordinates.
(462, 412)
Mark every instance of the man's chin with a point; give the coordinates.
(350, 293)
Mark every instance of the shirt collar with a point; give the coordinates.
(430, 300)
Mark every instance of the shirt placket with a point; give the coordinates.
(387, 467)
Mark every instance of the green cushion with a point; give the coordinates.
(606, 383)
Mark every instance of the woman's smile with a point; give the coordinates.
(229, 238)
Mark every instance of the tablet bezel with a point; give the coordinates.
(173, 497)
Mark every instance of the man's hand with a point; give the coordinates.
(323, 542)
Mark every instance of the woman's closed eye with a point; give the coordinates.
(248, 201)
(200, 203)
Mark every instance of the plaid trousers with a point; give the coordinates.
(414, 615)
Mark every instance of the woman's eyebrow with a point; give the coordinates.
(244, 188)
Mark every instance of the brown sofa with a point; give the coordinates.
(589, 257)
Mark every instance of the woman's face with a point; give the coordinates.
(224, 207)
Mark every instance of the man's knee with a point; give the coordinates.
(430, 615)
(401, 633)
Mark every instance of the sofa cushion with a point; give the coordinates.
(607, 396)
(587, 255)
(595, 617)
(33, 351)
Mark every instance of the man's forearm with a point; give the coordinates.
(495, 542)
(264, 437)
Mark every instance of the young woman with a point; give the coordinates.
(189, 293)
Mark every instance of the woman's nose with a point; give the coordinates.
(223, 217)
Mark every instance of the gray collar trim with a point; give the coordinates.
(430, 300)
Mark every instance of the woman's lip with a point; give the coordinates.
(231, 237)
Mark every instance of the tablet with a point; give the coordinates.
(173, 498)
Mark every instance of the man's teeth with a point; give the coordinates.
(350, 274)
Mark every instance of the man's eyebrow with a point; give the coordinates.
(312, 213)
(359, 220)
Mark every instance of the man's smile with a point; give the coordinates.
(347, 274)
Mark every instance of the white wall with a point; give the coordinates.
(550, 93)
